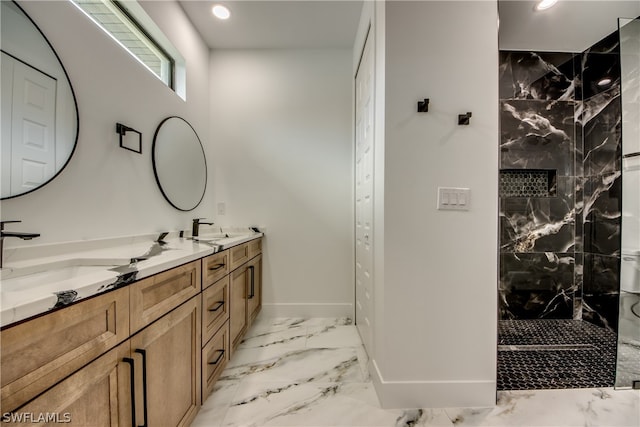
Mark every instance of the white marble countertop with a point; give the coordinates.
(36, 279)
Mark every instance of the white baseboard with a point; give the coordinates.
(307, 310)
(432, 394)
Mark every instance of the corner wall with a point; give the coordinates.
(437, 344)
(281, 135)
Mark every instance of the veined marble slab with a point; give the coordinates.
(38, 278)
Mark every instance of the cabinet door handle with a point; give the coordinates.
(220, 304)
(132, 372)
(217, 267)
(215, 362)
(253, 281)
(144, 383)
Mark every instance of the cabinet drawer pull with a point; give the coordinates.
(144, 384)
(133, 388)
(253, 282)
(215, 362)
(220, 304)
(217, 267)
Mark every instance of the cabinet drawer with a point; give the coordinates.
(215, 308)
(38, 353)
(155, 296)
(255, 247)
(215, 356)
(214, 268)
(238, 255)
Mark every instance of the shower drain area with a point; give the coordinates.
(552, 354)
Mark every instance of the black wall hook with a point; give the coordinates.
(463, 119)
(423, 106)
(122, 131)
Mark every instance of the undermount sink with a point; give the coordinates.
(49, 274)
(48, 280)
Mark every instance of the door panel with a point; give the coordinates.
(364, 195)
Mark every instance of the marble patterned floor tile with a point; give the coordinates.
(333, 337)
(295, 337)
(293, 364)
(556, 408)
(320, 404)
(215, 407)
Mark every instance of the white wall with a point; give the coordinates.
(436, 342)
(282, 153)
(105, 190)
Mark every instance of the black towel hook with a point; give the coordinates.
(463, 119)
(423, 106)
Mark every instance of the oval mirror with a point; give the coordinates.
(39, 112)
(179, 163)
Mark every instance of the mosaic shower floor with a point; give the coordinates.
(552, 354)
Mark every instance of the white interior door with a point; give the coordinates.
(364, 194)
(33, 117)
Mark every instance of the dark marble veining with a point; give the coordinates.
(601, 290)
(65, 298)
(603, 140)
(537, 135)
(536, 286)
(535, 75)
(602, 214)
(537, 224)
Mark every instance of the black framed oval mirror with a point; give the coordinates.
(179, 163)
(39, 112)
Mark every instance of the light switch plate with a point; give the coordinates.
(454, 199)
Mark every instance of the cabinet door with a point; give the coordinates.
(214, 268)
(167, 355)
(238, 301)
(153, 297)
(38, 353)
(254, 293)
(215, 308)
(97, 395)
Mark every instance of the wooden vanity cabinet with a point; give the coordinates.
(98, 395)
(238, 301)
(38, 353)
(154, 296)
(167, 364)
(245, 295)
(254, 296)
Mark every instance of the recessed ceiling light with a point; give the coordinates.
(545, 4)
(604, 82)
(220, 12)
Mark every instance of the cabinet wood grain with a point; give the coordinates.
(154, 296)
(38, 353)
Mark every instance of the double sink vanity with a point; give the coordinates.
(126, 331)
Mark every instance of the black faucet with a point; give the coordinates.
(3, 234)
(195, 229)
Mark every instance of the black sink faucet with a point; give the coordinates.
(195, 229)
(3, 234)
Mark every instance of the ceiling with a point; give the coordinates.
(277, 24)
(569, 26)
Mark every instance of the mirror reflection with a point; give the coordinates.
(38, 112)
(179, 163)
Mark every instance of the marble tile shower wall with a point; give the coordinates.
(560, 254)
